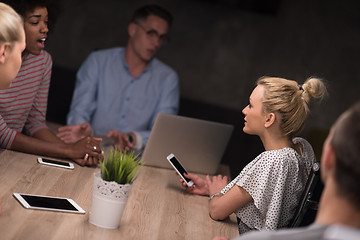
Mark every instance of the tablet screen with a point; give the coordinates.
(48, 202)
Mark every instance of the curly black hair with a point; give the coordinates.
(22, 7)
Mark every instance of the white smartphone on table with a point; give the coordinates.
(179, 169)
(48, 203)
(55, 163)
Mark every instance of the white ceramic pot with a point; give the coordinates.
(108, 202)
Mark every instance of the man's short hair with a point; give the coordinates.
(142, 13)
(346, 145)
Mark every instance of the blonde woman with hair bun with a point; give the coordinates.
(12, 43)
(291, 100)
(265, 194)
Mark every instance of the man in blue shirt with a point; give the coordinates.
(120, 91)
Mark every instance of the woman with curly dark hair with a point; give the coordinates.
(23, 106)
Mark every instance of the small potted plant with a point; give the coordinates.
(112, 187)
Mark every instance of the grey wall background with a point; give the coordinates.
(219, 48)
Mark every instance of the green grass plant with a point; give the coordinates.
(120, 166)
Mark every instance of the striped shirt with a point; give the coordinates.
(23, 105)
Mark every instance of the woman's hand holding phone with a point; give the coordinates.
(200, 186)
(179, 169)
(205, 186)
(193, 183)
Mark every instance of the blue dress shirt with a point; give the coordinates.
(108, 97)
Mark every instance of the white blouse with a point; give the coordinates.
(275, 180)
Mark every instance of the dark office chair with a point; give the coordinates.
(306, 212)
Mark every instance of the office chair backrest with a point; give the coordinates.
(306, 212)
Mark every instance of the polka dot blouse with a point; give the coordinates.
(275, 180)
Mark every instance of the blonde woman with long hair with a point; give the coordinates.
(12, 43)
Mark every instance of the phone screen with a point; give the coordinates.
(56, 162)
(179, 167)
(48, 202)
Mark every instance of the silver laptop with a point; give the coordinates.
(198, 144)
